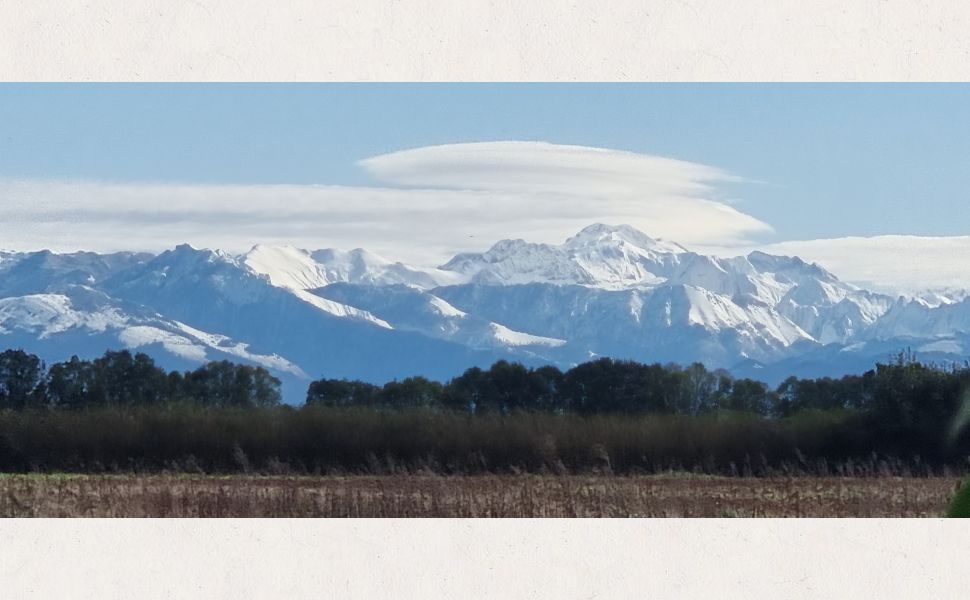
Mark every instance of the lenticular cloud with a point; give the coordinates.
(576, 185)
(427, 204)
(542, 167)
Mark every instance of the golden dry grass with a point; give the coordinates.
(471, 496)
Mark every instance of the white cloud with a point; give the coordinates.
(440, 200)
(539, 167)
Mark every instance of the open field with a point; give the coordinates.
(671, 495)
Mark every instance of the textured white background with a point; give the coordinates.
(422, 40)
(474, 558)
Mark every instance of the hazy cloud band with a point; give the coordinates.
(433, 203)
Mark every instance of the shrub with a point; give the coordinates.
(960, 507)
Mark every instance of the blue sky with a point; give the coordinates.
(841, 159)
(817, 161)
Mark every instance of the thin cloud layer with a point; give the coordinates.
(433, 203)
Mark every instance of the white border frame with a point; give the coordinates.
(497, 40)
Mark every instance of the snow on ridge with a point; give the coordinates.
(296, 271)
(716, 312)
(518, 338)
(295, 268)
(712, 310)
(361, 266)
(445, 309)
(286, 266)
(240, 349)
(145, 335)
(193, 345)
(339, 310)
(50, 314)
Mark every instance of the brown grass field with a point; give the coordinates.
(672, 495)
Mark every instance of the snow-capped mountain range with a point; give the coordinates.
(607, 291)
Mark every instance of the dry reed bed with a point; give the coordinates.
(471, 496)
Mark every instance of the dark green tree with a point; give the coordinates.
(411, 392)
(69, 383)
(21, 379)
(225, 384)
(748, 395)
(342, 392)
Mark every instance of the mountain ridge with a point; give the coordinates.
(605, 291)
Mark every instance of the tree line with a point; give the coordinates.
(122, 411)
(903, 387)
(905, 392)
(902, 406)
(601, 386)
(120, 379)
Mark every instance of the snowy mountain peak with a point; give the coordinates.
(608, 256)
(600, 234)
